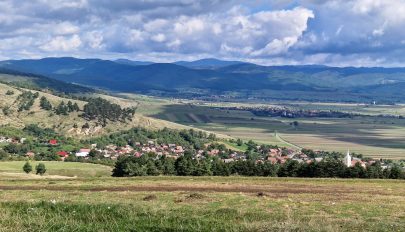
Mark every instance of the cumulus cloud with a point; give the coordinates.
(337, 32)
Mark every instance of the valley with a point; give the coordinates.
(376, 137)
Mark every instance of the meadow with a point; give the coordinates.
(12, 169)
(201, 204)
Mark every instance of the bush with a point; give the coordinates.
(41, 169)
(27, 168)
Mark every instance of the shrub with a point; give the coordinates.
(27, 168)
(41, 169)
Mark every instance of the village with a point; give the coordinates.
(151, 147)
(174, 151)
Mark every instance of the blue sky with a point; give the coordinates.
(335, 32)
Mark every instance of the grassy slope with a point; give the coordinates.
(287, 205)
(58, 168)
(65, 124)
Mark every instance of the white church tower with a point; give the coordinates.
(348, 159)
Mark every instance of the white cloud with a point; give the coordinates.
(63, 44)
(159, 37)
(315, 31)
(66, 28)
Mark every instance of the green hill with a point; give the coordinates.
(213, 78)
(72, 124)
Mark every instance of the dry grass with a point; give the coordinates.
(284, 205)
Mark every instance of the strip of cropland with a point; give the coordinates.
(202, 204)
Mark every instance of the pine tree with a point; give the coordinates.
(45, 104)
(27, 168)
(70, 107)
(61, 109)
(76, 107)
(40, 168)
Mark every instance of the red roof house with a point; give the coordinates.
(53, 142)
(62, 153)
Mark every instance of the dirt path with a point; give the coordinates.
(300, 189)
(277, 135)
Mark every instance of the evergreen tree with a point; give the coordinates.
(45, 104)
(61, 109)
(184, 165)
(151, 169)
(27, 168)
(76, 107)
(41, 169)
(70, 107)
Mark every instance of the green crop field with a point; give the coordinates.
(202, 204)
(55, 168)
(371, 136)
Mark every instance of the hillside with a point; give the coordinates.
(209, 78)
(66, 123)
(39, 82)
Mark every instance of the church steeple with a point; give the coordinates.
(348, 159)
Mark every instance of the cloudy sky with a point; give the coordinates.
(334, 32)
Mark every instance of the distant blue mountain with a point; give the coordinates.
(209, 63)
(133, 62)
(216, 77)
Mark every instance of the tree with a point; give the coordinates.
(27, 168)
(45, 104)
(395, 172)
(76, 107)
(40, 168)
(184, 165)
(70, 106)
(62, 109)
(239, 142)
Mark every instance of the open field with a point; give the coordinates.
(371, 136)
(202, 204)
(56, 168)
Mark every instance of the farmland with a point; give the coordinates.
(202, 204)
(372, 136)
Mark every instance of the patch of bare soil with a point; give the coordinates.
(150, 198)
(258, 190)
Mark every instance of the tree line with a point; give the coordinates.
(104, 111)
(187, 165)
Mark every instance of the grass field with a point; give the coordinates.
(202, 204)
(373, 137)
(56, 168)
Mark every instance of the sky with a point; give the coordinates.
(278, 32)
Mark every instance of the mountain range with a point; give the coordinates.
(212, 77)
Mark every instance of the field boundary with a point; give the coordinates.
(278, 137)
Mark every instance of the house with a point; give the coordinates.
(30, 154)
(62, 153)
(53, 142)
(213, 152)
(84, 152)
(273, 160)
(355, 161)
(319, 159)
